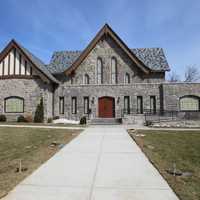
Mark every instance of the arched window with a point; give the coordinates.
(113, 70)
(127, 78)
(189, 103)
(14, 105)
(86, 79)
(99, 71)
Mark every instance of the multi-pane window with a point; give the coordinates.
(189, 103)
(127, 105)
(113, 70)
(86, 79)
(61, 105)
(139, 104)
(14, 105)
(99, 71)
(74, 105)
(86, 105)
(127, 78)
(153, 104)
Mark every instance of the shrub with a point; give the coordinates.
(39, 113)
(49, 120)
(83, 120)
(29, 118)
(148, 123)
(2, 118)
(56, 117)
(21, 118)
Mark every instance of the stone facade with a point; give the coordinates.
(31, 90)
(94, 92)
(52, 82)
(106, 49)
(172, 92)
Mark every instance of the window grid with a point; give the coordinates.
(127, 78)
(74, 105)
(61, 105)
(99, 71)
(189, 103)
(113, 70)
(14, 105)
(127, 105)
(86, 105)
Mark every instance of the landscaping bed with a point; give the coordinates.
(176, 154)
(23, 150)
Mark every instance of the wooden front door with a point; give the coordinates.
(106, 107)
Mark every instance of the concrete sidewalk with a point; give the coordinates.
(102, 163)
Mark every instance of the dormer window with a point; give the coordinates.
(113, 70)
(99, 71)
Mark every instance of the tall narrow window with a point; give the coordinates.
(139, 104)
(86, 105)
(74, 105)
(113, 70)
(99, 71)
(86, 79)
(127, 105)
(153, 104)
(14, 105)
(61, 105)
(127, 78)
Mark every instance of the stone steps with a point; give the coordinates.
(105, 121)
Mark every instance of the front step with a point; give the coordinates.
(105, 121)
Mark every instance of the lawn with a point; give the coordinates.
(32, 146)
(164, 148)
(42, 124)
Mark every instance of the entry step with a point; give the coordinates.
(105, 121)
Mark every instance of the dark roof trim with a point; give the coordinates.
(14, 44)
(106, 30)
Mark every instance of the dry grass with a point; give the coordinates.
(30, 145)
(164, 148)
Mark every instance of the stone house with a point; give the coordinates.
(105, 80)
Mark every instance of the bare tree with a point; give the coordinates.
(192, 74)
(173, 77)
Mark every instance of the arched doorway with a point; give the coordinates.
(106, 107)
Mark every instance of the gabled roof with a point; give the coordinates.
(149, 59)
(30, 57)
(62, 60)
(153, 58)
(105, 31)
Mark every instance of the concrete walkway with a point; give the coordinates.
(102, 163)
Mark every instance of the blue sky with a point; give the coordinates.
(44, 26)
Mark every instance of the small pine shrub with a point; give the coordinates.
(49, 120)
(21, 118)
(56, 117)
(83, 120)
(3, 118)
(39, 113)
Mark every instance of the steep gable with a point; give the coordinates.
(16, 60)
(107, 31)
(63, 61)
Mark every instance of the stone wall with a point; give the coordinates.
(96, 91)
(172, 92)
(106, 49)
(31, 90)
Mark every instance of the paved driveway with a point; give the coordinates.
(102, 163)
